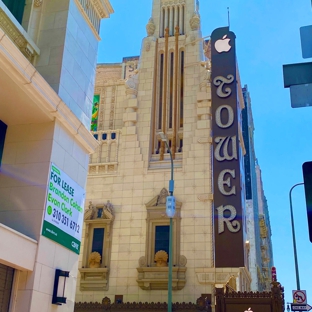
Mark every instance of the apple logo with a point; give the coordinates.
(222, 45)
(249, 310)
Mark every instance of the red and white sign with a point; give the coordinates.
(299, 296)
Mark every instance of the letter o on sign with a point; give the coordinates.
(230, 116)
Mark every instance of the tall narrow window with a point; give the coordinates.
(162, 238)
(98, 241)
(161, 81)
(173, 20)
(181, 87)
(163, 23)
(183, 19)
(171, 89)
(3, 128)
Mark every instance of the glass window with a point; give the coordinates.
(3, 128)
(98, 240)
(162, 238)
(16, 7)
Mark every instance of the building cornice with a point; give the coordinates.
(37, 88)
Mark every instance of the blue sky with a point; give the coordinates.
(267, 37)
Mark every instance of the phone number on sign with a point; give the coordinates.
(60, 217)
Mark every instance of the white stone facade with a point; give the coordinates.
(126, 171)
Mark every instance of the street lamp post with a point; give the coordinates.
(294, 235)
(170, 211)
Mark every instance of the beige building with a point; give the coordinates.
(48, 52)
(165, 89)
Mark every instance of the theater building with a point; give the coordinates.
(189, 89)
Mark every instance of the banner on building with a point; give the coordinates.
(95, 112)
(227, 156)
(63, 219)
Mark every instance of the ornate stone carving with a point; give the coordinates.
(150, 27)
(206, 75)
(94, 260)
(106, 302)
(101, 211)
(37, 3)
(171, 2)
(182, 261)
(19, 39)
(131, 85)
(195, 21)
(161, 258)
(106, 305)
(207, 49)
(161, 200)
(142, 262)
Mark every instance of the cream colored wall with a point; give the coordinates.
(135, 184)
(34, 290)
(28, 151)
(23, 176)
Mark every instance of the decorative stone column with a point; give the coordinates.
(130, 115)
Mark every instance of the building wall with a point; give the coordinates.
(260, 262)
(68, 55)
(134, 177)
(43, 127)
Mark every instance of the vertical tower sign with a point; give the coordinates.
(228, 212)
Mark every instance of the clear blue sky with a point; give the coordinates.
(267, 37)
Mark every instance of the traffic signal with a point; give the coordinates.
(307, 179)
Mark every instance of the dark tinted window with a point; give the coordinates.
(3, 128)
(162, 238)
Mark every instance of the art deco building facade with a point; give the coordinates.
(258, 222)
(48, 52)
(168, 89)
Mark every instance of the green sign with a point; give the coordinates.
(63, 219)
(95, 113)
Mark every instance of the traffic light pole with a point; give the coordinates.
(294, 235)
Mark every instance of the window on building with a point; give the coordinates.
(158, 229)
(98, 225)
(152, 270)
(168, 102)
(98, 222)
(16, 7)
(3, 129)
(98, 241)
(162, 238)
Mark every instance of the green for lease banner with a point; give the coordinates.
(64, 210)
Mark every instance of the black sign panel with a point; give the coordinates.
(227, 156)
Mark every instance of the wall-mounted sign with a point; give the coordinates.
(64, 210)
(227, 156)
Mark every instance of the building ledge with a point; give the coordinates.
(93, 279)
(17, 250)
(93, 11)
(156, 278)
(42, 96)
(17, 33)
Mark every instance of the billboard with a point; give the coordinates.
(63, 218)
(227, 155)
